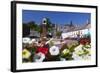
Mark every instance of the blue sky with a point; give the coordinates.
(55, 17)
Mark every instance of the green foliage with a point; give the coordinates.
(69, 49)
(36, 27)
(49, 25)
(32, 25)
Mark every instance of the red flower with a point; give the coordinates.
(84, 41)
(42, 50)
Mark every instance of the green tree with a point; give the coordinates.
(34, 26)
(49, 25)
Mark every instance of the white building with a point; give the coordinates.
(77, 32)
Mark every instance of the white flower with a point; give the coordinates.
(86, 57)
(76, 57)
(79, 53)
(26, 40)
(25, 54)
(32, 41)
(39, 57)
(54, 50)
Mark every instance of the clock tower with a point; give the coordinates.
(44, 27)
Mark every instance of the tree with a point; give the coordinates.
(34, 26)
(26, 30)
(49, 25)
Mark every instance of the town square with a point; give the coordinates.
(55, 36)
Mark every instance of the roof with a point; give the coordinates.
(75, 28)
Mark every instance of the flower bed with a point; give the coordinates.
(49, 51)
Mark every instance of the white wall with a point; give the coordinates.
(5, 36)
(73, 34)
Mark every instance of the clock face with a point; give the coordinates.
(44, 21)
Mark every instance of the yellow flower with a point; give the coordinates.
(26, 54)
(65, 51)
(80, 52)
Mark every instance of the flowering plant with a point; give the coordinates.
(81, 53)
(39, 57)
(25, 54)
(66, 54)
(54, 50)
(42, 50)
(26, 40)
